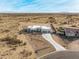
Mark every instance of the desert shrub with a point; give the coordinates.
(60, 29)
(64, 23)
(6, 30)
(51, 18)
(28, 19)
(12, 41)
(25, 53)
(13, 48)
(73, 26)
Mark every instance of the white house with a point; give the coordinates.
(38, 28)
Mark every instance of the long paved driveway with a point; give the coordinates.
(49, 38)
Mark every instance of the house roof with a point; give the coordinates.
(38, 26)
(69, 27)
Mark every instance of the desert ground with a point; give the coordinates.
(14, 45)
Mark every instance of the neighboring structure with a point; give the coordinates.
(71, 31)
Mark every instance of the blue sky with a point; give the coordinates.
(39, 6)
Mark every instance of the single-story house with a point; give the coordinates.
(38, 28)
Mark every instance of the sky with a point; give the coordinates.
(36, 6)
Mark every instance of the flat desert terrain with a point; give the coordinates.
(14, 45)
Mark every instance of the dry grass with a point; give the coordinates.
(9, 30)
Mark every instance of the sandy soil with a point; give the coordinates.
(29, 46)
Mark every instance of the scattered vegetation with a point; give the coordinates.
(73, 26)
(12, 41)
(64, 23)
(60, 29)
(52, 20)
(25, 53)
